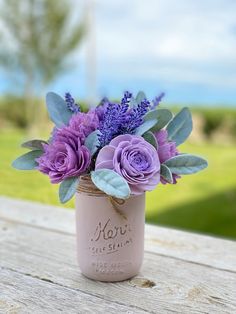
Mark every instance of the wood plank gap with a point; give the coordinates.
(190, 262)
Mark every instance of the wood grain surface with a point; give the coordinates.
(182, 272)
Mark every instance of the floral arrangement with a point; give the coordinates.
(127, 148)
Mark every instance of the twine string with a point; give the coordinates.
(116, 201)
(86, 186)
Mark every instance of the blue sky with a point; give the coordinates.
(186, 48)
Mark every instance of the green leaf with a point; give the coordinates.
(163, 116)
(166, 173)
(146, 126)
(111, 183)
(140, 97)
(27, 161)
(68, 188)
(180, 127)
(34, 144)
(133, 102)
(92, 142)
(186, 164)
(150, 138)
(57, 109)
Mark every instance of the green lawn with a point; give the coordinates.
(205, 202)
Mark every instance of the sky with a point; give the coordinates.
(186, 48)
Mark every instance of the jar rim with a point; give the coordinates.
(86, 186)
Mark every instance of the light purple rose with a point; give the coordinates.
(166, 150)
(134, 159)
(82, 124)
(64, 156)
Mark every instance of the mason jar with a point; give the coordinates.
(109, 232)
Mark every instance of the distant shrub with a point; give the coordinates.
(215, 119)
(13, 110)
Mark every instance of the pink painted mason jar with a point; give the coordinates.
(110, 233)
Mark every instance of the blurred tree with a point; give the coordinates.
(40, 37)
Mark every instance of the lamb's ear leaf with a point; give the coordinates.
(133, 102)
(140, 97)
(180, 127)
(34, 144)
(150, 138)
(27, 161)
(166, 173)
(111, 183)
(92, 141)
(186, 164)
(57, 109)
(146, 126)
(68, 188)
(163, 117)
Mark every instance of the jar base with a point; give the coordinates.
(109, 278)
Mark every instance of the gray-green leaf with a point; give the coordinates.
(27, 161)
(34, 144)
(111, 183)
(57, 109)
(180, 127)
(163, 116)
(186, 164)
(166, 173)
(146, 126)
(68, 188)
(92, 142)
(150, 138)
(140, 97)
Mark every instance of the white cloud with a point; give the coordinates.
(175, 39)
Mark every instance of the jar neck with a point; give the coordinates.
(86, 186)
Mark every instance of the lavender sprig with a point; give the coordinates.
(126, 99)
(72, 106)
(112, 120)
(134, 118)
(156, 101)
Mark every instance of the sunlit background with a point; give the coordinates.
(96, 48)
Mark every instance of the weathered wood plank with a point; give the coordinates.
(214, 252)
(179, 286)
(23, 294)
(191, 247)
(41, 215)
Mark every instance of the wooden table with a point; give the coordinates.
(182, 272)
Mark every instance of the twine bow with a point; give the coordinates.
(86, 186)
(117, 201)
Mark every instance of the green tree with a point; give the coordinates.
(39, 37)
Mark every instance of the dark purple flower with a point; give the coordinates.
(101, 108)
(64, 157)
(72, 106)
(166, 150)
(134, 159)
(82, 124)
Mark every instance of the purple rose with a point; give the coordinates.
(82, 124)
(166, 150)
(134, 159)
(64, 157)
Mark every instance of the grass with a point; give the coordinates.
(205, 202)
